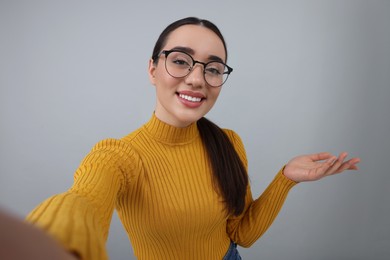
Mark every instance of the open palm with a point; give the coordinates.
(316, 166)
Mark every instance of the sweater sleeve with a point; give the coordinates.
(79, 218)
(259, 214)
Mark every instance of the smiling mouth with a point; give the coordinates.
(190, 98)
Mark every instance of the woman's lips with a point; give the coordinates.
(191, 99)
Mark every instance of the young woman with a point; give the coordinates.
(179, 183)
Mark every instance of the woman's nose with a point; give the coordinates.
(196, 76)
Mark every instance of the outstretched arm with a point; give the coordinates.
(313, 167)
(260, 213)
(79, 219)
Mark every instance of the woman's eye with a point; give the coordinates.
(180, 62)
(213, 71)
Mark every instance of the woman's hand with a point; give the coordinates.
(22, 241)
(313, 167)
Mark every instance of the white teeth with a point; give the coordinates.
(189, 98)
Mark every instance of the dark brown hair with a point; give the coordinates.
(229, 174)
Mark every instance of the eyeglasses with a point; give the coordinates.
(179, 64)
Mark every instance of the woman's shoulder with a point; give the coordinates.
(232, 135)
(117, 154)
(122, 147)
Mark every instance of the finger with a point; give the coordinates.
(355, 161)
(349, 165)
(337, 164)
(320, 156)
(324, 167)
(354, 167)
(342, 167)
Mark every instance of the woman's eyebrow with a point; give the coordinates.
(215, 58)
(192, 52)
(184, 49)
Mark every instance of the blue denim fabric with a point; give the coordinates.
(232, 253)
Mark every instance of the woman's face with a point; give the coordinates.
(182, 101)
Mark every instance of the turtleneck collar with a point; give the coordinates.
(166, 133)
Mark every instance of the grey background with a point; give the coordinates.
(309, 76)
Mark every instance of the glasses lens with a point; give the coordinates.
(178, 64)
(216, 73)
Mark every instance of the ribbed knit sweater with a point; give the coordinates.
(159, 180)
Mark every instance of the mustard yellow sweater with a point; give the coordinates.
(158, 178)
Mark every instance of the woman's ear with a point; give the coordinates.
(152, 71)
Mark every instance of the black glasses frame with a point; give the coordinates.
(167, 52)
